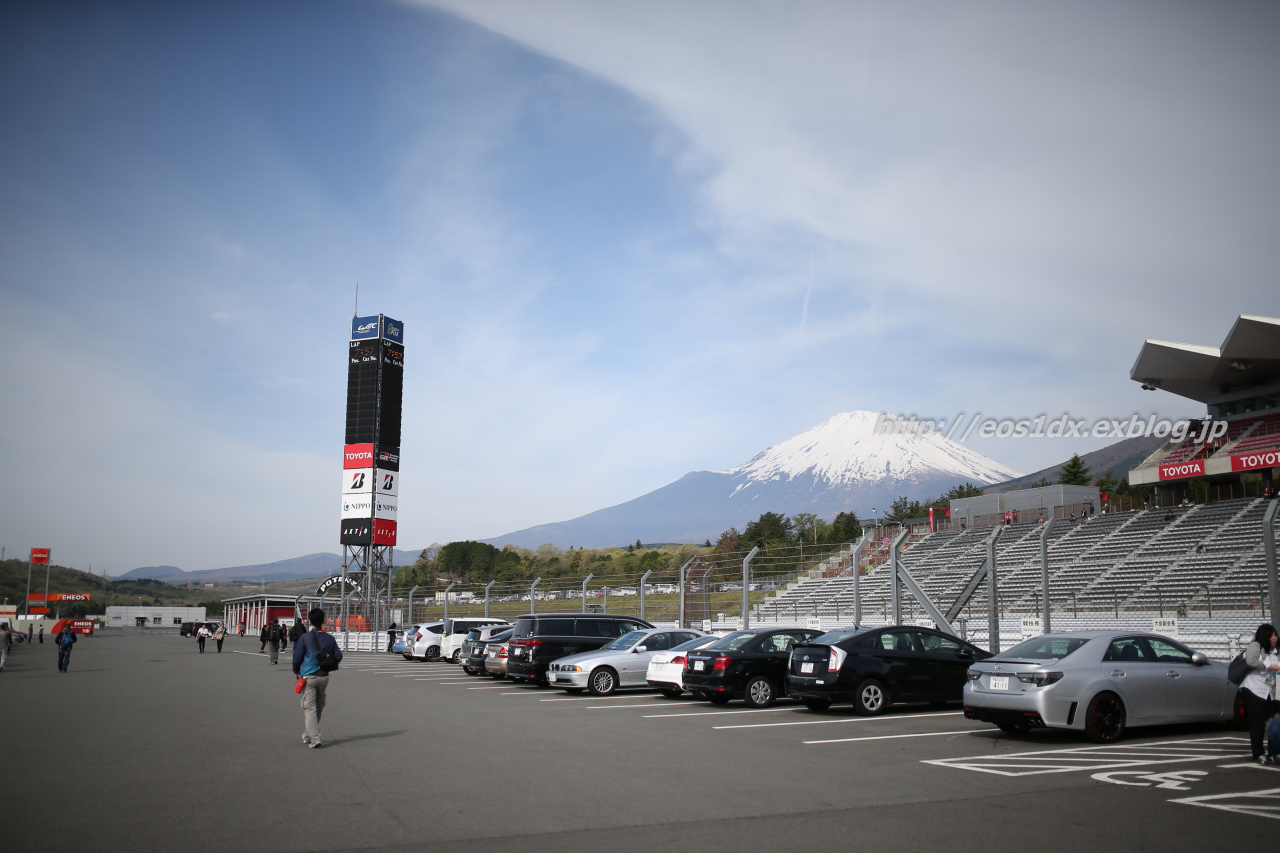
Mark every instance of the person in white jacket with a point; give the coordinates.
(1259, 686)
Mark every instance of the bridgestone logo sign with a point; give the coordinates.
(1182, 469)
(1250, 461)
(336, 580)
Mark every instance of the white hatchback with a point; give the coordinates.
(666, 669)
(424, 641)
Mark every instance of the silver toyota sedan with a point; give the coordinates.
(624, 662)
(1098, 682)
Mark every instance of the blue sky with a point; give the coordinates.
(628, 240)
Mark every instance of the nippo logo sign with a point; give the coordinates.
(1250, 461)
(1182, 469)
(357, 456)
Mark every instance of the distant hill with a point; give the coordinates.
(309, 566)
(1118, 459)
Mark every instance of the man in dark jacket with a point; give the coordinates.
(307, 664)
(262, 635)
(66, 639)
(273, 640)
(296, 631)
(391, 637)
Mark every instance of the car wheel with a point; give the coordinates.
(456, 657)
(1104, 720)
(760, 692)
(817, 704)
(603, 681)
(718, 699)
(407, 657)
(469, 670)
(433, 653)
(872, 698)
(671, 694)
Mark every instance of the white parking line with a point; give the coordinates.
(1265, 803)
(602, 698)
(1095, 758)
(652, 705)
(844, 720)
(895, 737)
(484, 688)
(720, 713)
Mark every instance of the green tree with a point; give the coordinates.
(845, 527)
(1074, 472)
(770, 527)
(805, 525)
(728, 541)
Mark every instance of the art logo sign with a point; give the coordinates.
(1252, 461)
(1182, 469)
(357, 456)
(356, 532)
(384, 532)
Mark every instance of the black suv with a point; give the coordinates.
(874, 668)
(540, 638)
(750, 665)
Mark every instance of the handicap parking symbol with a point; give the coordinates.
(1175, 781)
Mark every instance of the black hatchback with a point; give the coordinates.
(876, 667)
(539, 638)
(749, 665)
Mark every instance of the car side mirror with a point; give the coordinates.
(1199, 658)
(965, 653)
(639, 649)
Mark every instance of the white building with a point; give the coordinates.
(131, 616)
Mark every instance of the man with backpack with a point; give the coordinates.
(66, 639)
(315, 655)
(273, 640)
(296, 631)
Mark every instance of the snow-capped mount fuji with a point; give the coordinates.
(843, 463)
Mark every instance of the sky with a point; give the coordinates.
(627, 240)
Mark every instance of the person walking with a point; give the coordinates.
(31, 633)
(201, 636)
(391, 637)
(241, 629)
(6, 642)
(273, 640)
(220, 636)
(284, 638)
(42, 635)
(262, 635)
(66, 639)
(309, 665)
(1259, 686)
(296, 631)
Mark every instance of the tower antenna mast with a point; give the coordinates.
(357, 314)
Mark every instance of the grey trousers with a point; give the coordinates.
(275, 650)
(313, 706)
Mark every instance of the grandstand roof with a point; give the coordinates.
(1249, 357)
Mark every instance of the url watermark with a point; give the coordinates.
(1200, 430)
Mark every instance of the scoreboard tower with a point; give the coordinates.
(371, 465)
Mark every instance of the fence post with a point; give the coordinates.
(411, 592)
(857, 579)
(533, 595)
(486, 597)
(895, 596)
(446, 599)
(1269, 548)
(683, 569)
(585, 581)
(643, 579)
(993, 589)
(746, 587)
(1044, 575)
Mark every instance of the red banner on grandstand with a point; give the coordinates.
(1251, 461)
(1182, 469)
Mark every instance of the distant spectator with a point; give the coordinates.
(262, 635)
(201, 636)
(284, 638)
(6, 642)
(273, 639)
(220, 636)
(391, 637)
(66, 639)
(307, 664)
(42, 634)
(241, 629)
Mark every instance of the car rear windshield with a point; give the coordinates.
(832, 637)
(734, 641)
(1044, 648)
(524, 628)
(626, 641)
(695, 643)
(473, 634)
(436, 629)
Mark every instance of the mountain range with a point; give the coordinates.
(844, 463)
(309, 566)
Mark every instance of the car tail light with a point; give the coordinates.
(1039, 679)
(837, 659)
(502, 653)
(418, 636)
(721, 663)
(681, 660)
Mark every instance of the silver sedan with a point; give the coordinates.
(624, 662)
(1098, 682)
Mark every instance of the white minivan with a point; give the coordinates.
(455, 633)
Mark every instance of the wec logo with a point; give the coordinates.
(367, 327)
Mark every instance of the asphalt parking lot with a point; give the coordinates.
(146, 745)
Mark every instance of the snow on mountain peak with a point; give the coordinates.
(845, 450)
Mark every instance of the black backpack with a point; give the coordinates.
(273, 634)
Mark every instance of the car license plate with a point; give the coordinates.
(806, 667)
(999, 682)
(699, 664)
